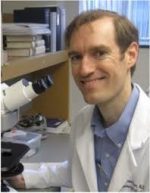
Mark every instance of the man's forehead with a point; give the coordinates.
(98, 23)
(100, 27)
(94, 33)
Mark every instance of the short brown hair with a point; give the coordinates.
(125, 31)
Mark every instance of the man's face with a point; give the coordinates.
(98, 68)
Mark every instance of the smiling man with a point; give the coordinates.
(110, 136)
(100, 69)
(103, 50)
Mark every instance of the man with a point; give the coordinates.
(110, 136)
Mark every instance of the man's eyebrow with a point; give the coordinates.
(71, 53)
(100, 47)
(91, 49)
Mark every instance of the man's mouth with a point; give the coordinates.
(90, 81)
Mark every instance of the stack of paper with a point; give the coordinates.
(25, 39)
(25, 29)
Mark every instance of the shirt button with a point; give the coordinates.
(107, 155)
(106, 184)
(119, 145)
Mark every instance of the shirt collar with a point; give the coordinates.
(116, 132)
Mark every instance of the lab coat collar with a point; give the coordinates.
(138, 135)
(85, 150)
(123, 170)
(140, 125)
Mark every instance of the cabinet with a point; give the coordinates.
(55, 101)
(69, 100)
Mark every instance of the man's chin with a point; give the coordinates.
(91, 100)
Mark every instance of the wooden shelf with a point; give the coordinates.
(55, 101)
(19, 67)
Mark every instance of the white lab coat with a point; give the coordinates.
(132, 169)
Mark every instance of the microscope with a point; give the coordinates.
(12, 98)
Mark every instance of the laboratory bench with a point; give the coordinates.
(55, 148)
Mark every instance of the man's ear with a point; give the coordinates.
(132, 54)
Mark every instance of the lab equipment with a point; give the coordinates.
(17, 95)
(14, 97)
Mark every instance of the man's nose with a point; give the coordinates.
(87, 66)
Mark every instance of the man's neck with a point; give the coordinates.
(112, 110)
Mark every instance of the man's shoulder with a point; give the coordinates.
(83, 117)
(81, 125)
(86, 111)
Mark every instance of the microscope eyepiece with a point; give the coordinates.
(42, 84)
(23, 92)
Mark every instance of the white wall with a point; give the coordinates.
(142, 73)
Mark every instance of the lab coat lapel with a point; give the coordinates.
(122, 173)
(137, 136)
(85, 150)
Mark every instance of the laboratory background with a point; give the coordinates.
(39, 95)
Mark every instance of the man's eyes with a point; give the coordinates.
(99, 54)
(75, 57)
(95, 54)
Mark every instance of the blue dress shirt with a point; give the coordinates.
(108, 141)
